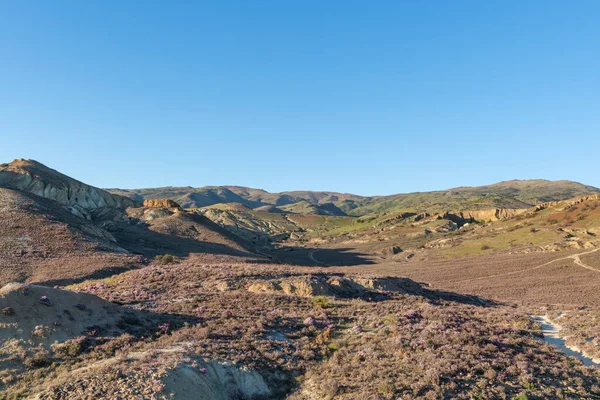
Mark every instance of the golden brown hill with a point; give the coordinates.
(161, 203)
(492, 214)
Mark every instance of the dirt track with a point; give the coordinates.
(574, 257)
(311, 255)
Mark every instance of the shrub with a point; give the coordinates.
(320, 302)
(70, 348)
(329, 388)
(386, 388)
(41, 331)
(164, 259)
(514, 228)
(40, 358)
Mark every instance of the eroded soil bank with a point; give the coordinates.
(551, 330)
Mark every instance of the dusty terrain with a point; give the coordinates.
(236, 293)
(308, 334)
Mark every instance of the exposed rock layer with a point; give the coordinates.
(161, 203)
(568, 203)
(86, 201)
(493, 214)
(309, 286)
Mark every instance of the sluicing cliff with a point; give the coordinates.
(30, 176)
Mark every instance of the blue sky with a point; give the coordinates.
(354, 96)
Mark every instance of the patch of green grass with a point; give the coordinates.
(498, 241)
(320, 302)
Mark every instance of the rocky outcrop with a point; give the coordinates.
(161, 203)
(217, 381)
(422, 216)
(339, 286)
(392, 250)
(565, 204)
(250, 227)
(493, 214)
(83, 200)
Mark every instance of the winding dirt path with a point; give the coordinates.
(311, 255)
(578, 261)
(574, 257)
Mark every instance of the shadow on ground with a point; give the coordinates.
(319, 257)
(140, 239)
(100, 274)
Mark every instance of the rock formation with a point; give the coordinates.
(568, 203)
(310, 286)
(30, 176)
(493, 214)
(161, 203)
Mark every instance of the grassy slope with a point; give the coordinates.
(304, 207)
(560, 225)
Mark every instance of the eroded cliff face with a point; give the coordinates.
(492, 214)
(161, 203)
(565, 204)
(86, 201)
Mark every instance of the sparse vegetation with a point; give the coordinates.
(320, 302)
(164, 259)
(247, 290)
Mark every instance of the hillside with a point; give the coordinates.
(41, 241)
(33, 177)
(429, 295)
(511, 194)
(190, 197)
(56, 229)
(305, 207)
(156, 231)
(552, 226)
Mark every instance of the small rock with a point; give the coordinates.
(45, 301)
(8, 311)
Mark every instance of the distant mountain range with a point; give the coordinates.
(34, 177)
(516, 194)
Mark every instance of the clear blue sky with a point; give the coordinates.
(369, 97)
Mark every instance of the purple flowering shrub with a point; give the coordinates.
(408, 346)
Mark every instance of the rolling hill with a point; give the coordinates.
(54, 228)
(281, 295)
(516, 194)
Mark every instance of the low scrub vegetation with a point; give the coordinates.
(394, 344)
(164, 259)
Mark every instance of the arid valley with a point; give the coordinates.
(237, 293)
